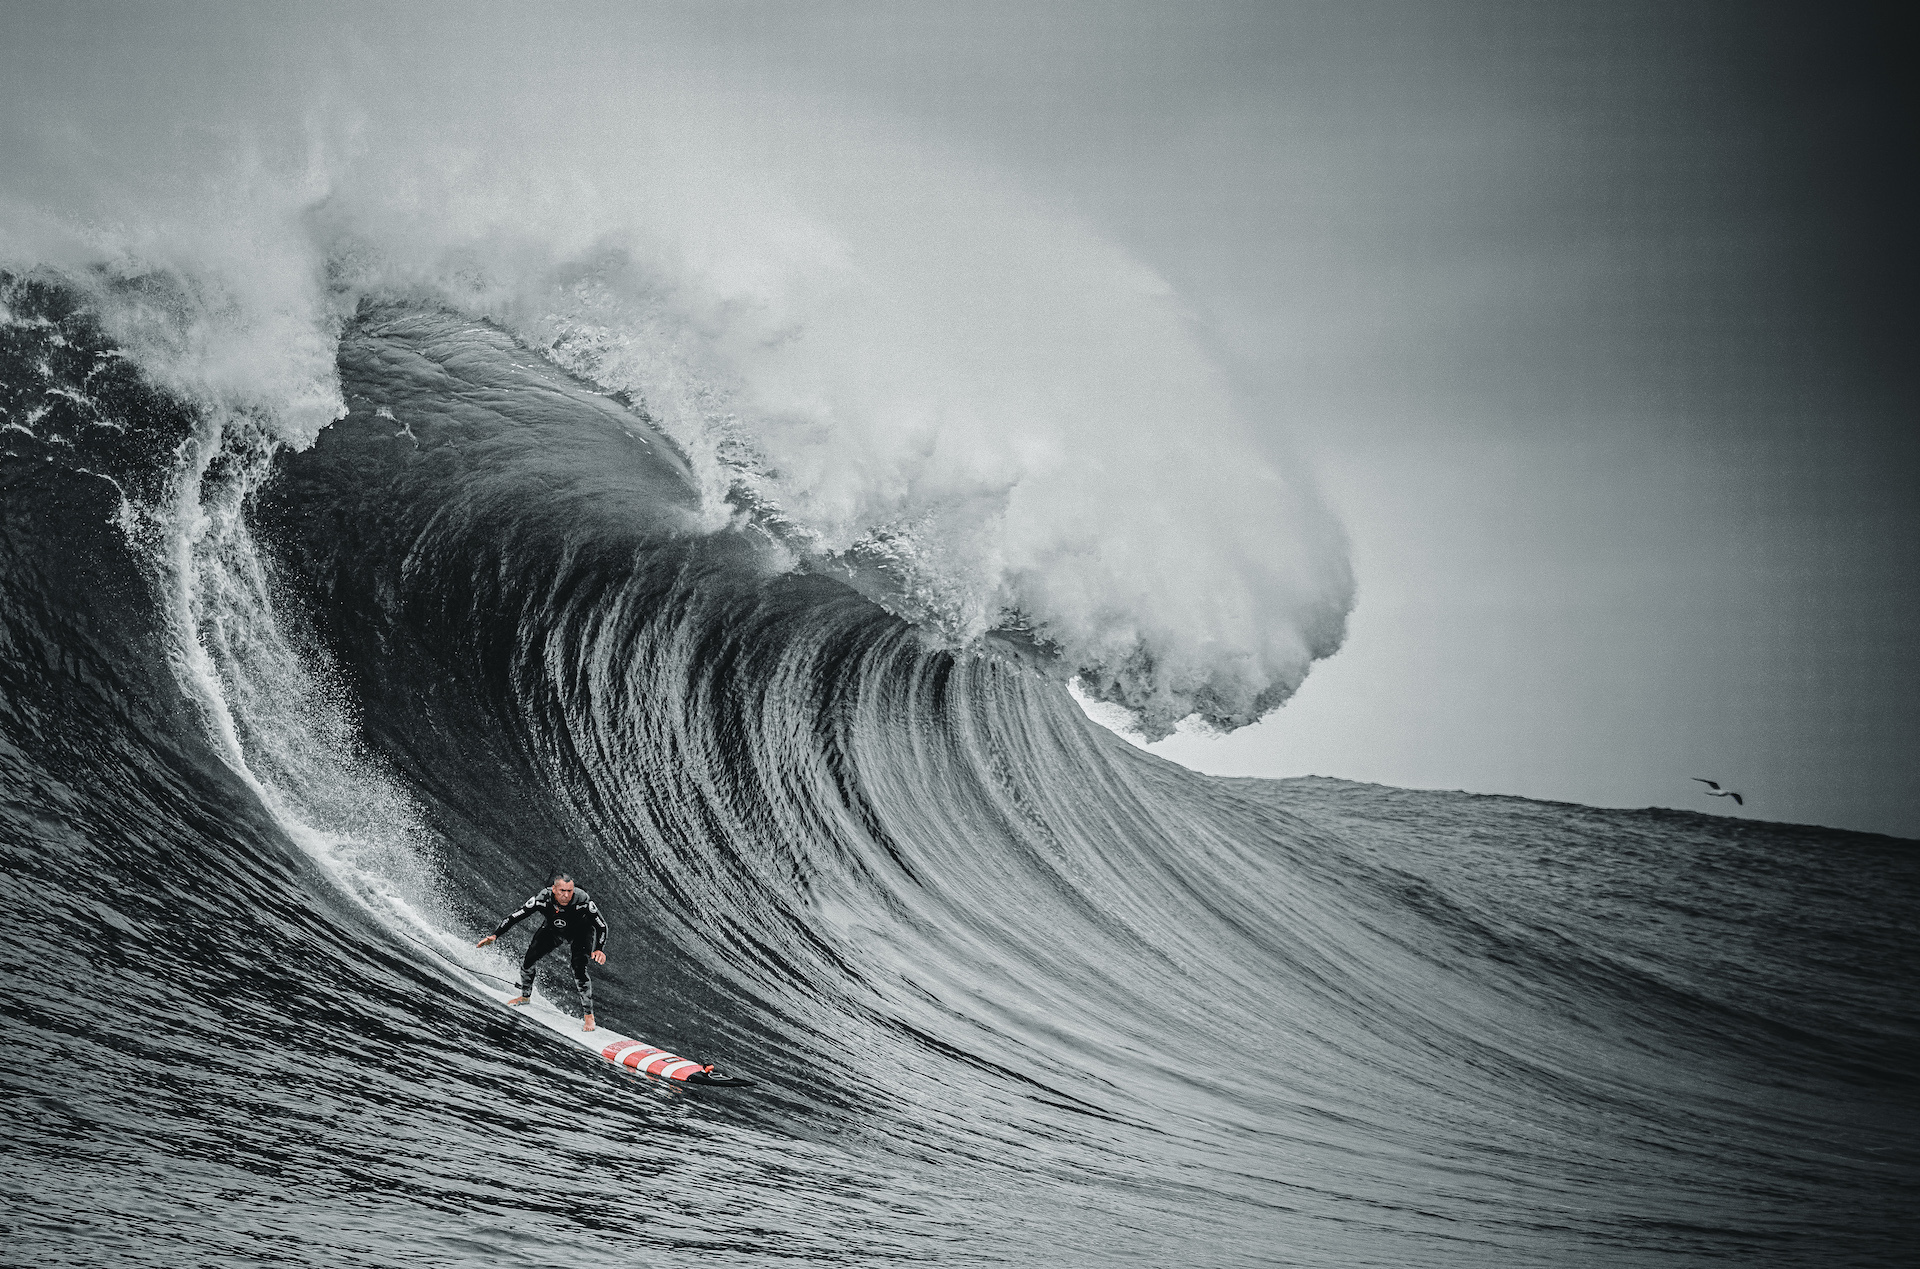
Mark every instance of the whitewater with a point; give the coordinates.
(387, 526)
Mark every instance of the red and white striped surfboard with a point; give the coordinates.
(634, 1055)
(637, 1055)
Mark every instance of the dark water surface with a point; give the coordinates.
(282, 733)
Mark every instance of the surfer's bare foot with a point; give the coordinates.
(518, 1000)
(588, 1024)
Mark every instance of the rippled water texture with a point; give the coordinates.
(282, 733)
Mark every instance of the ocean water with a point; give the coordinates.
(289, 718)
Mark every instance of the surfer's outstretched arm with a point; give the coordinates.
(518, 915)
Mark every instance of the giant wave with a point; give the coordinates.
(437, 452)
(287, 723)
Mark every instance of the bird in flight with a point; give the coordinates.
(1713, 790)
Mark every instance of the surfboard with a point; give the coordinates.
(623, 1050)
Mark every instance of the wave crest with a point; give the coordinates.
(909, 368)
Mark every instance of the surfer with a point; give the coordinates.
(571, 916)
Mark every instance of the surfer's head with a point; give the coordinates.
(563, 888)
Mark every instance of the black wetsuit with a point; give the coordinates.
(578, 923)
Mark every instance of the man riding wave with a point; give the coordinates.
(572, 917)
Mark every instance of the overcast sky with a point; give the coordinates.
(1593, 321)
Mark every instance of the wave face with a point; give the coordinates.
(285, 729)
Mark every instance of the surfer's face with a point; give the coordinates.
(563, 892)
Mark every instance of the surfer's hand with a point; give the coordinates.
(599, 958)
(483, 942)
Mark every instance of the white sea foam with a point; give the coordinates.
(904, 356)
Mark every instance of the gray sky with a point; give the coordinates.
(1592, 320)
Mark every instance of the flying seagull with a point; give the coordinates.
(1713, 791)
